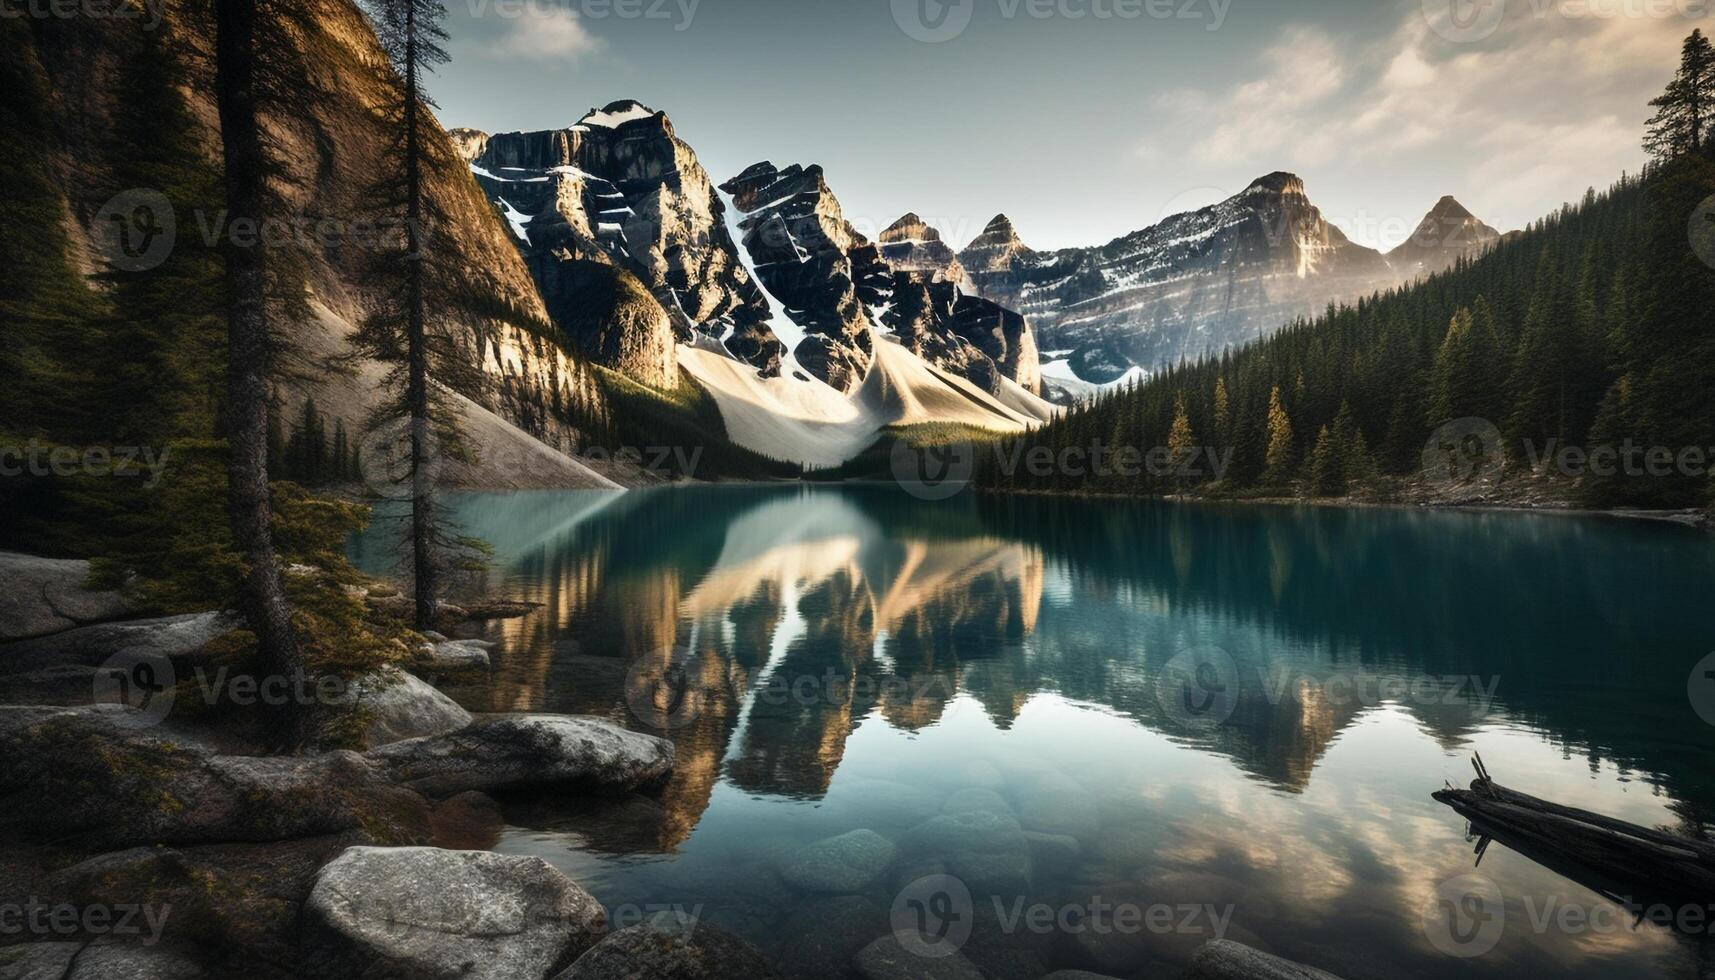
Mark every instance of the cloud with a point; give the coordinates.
(545, 33)
(1551, 103)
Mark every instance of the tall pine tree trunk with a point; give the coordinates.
(262, 597)
(424, 571)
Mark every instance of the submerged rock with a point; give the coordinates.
(526, 750)
(887, 959)
(839, 865)
(420, 913)
(670, 946)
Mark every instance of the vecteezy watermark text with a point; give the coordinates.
(35, 459)
(937, 21)
(679, 12)
(38, 918)
(148, 12)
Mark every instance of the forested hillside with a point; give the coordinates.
(1593, 329)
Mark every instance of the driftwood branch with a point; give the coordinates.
(1650, 859)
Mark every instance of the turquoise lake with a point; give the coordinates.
(1226, 719)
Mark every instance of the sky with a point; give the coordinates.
(1083, 120)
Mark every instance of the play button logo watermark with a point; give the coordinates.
(933, 472)
(1700, 688)
(1464, 21)
(932, 916)
(1465, 916)
(1198, 689)
(933, 21)
(144, 682)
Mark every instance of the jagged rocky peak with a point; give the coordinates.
(468, 143)
(967, 335)
(815, 263)
(912, 245)
(1280, 183)
(1448, 233)
(619, 187)
(909, 228)
(1192, 284)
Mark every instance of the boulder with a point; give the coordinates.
(976, 801)
(838, 865)
(397, 706)
(454, 656)
(39, 596)
(420, 913)
(38, 961)
(91, 646)
(224, 896)
(822, 936)
(887, 959)
(90, 774)
(670, 946)
(984, 849)
(103, 960)
(517, 751)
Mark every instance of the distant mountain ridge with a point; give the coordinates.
(1205, 280)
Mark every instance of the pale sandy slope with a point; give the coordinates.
(810, 423)
(508, 457)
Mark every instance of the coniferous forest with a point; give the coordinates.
(1593, 329)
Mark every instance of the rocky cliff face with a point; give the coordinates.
(1194, 283)
(1205, 280)
(331, 152)
(620, 189)
(911, 245)
(815, 263)
(837, 284)
(1446, 234)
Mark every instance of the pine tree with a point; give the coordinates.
(413, 334)
(251, 36)
(1686, 111)
(1181, 441)
(1282, 454)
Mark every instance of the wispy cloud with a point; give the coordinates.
(545, 33)
(1548, 105)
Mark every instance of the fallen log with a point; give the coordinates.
(1224, 959)
(1630, 855)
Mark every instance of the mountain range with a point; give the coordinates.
(605, 257)
(1203, 281)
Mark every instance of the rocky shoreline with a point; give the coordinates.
(150, 842)
(161, 843)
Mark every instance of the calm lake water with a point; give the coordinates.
(1233, 714)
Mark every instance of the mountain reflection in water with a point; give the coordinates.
(830, 659)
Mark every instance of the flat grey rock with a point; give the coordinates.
(453, 656)
(40, 596)
(838, 865)
(420, 913)
(91, 646)
(526, 750)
